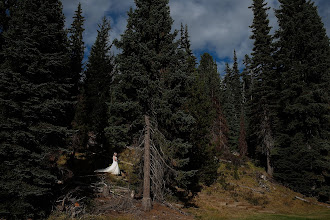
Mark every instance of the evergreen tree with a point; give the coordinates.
(227, 100)
(98, 76)
(208, 73)
(302, 54)
(247, 97)
(200, 107)
(242, 144)
(220, 131)
(261, 106)
(232, 102)
(247, 81)
(76, 49)
(6, 12)
(185, 45)
(236, 87)
(152, 83)
(205, 108)
(34, 101)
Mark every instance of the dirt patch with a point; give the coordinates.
(159, 211)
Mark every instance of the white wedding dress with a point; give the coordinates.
(113, 169)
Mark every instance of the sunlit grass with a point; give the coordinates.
(265, 199)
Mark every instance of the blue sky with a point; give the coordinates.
(215, 26)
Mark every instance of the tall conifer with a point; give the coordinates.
(261, 106)
(152, 81)
(76, 48)
(185, 45)
(34, 101)
(302, 55)
(6, 12)
(98, 76)
(232, 102)
(205, 107)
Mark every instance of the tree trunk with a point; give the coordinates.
(270, 169)
(146, 200)
(268, 141)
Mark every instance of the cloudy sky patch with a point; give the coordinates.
(215, 26)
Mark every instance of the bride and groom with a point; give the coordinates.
(113, 169)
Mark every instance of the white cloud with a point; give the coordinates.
(219, 26)
(93, 11)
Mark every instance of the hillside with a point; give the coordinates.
(247, 192)
(244, 192)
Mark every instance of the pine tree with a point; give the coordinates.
(220, 131)
(242, 144)
(185, 45)
(247, 97)
(302, 54)
(152, 83)
(6, 12)
(76, 49)
(247, 81)
(98, 76)
(236, 88)
(34, 101)
(232, 102)
(204, 107)
(227, 100)
(200, 107)
(261, 106)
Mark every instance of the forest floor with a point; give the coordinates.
(243, 192)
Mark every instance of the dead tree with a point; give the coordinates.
(146, 200)
(267, 141)
(156, 170)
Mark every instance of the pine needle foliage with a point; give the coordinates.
(262, 105)
(206, 109)
(302, 54)
(232, 102)
(77, 47)
(152, 81)
(34, 100)
(96, 87)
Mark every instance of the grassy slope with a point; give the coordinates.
(242, 194)
(238, 193)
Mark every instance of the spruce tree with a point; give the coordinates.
(76, 49)
(34, 101)
(152, 83)
(247, 97)
(185, 45)
(204, 107)
(227, 100)
(220, 131)
(263, 94)
(6, 12)
(247, 81)
(302, 54)
(242, 144)
(202, 110)
(232, 102)
(98, 76)
(236, 88)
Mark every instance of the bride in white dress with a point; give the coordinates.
(113, 169)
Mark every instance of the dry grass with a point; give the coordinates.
(238, 193)
(241, 193)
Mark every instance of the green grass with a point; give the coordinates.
(316, 216)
